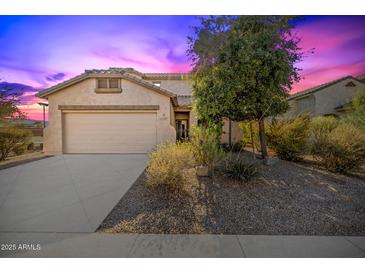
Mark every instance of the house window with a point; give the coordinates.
(106, 83)
(158, 84)
(102, 83)
(113, 83)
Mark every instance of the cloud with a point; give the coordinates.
(356, 44)
(18, 87)
(25, 92)
(55, 77)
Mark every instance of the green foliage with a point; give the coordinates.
(255, 133)
(9, 101)
(239, 169)
(341, 149)
(20, 149)
(356, 115)
(206, 146)
(244, 66)
(13, 139)
(167, 165)
(289, 137)
(246, 134)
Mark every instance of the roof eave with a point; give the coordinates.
(46, 92)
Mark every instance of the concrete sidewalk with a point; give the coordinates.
(162, 246)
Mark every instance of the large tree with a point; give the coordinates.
(9, 102)
(244, 67)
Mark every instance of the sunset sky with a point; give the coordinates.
(39, 51)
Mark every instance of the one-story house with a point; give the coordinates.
(325, 99)
(121, 110)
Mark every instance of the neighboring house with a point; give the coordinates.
(121, 110)
(326, 99)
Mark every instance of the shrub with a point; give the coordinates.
(341, 149)
(323, 124)
(356, 111)
(206, 146)
(239, 169)
(30, 146)
(167, 165)
(20, 149)
(288, 138)
(235, 147)
(320, 127)
(12, 139)
(246, 136)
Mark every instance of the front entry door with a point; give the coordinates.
(182, 130)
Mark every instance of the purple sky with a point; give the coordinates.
(40, 51)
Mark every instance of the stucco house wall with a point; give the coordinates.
(236, 132)
(334, 96)
(324, 101)
(83, 93)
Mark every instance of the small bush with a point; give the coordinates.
(341, 149)
(288, 138)
(239, 169)
(320, 127)
(30, 146)
(206, 146)
(356, 111)
(13, 139)
(167, 165)
(246, 136)
(20, 149)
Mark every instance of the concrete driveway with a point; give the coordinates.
(66, 193)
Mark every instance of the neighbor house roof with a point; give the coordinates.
(166, 76)
(125, 73)
(322, 86)
(361, 77)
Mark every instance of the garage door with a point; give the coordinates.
(100, 132)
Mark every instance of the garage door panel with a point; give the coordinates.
(109, 132)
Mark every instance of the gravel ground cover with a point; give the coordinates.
(285, 199)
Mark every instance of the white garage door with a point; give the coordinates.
(103, 132)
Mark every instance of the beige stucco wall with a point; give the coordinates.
(236, 132)
(330, 98)
(326, 100)
(83, 93)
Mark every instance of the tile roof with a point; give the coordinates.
(184, 100)
(166, 76)
(121, 72)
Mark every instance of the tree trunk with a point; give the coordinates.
(262, 138)
(252, 141)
